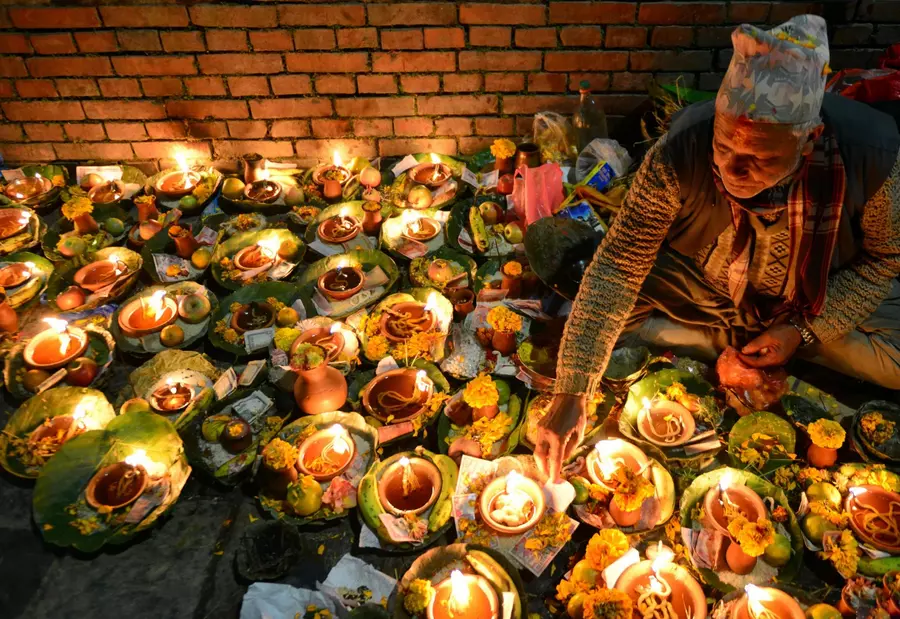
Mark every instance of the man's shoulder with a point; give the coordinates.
(858, 124)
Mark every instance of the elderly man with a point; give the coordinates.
(768, 220)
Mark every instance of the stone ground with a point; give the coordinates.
(184, 567)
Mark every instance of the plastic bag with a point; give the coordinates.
(538, 192)
(867, 85)
(553, 134)
(599, 150)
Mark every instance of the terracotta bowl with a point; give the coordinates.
(252, 316)
(51, 428)
(403, 382)
(652, 425)
(171, 186)
(483, 599)
(312, 447)
(134, 324)
(487, 502)
(780, 603)
(328, 230)
(746, 500)
(687, 597)
(343, 174)
(252, 257)
(13, 275)
(182, 397)
(352, 280)
(101, 490)
(11, 221)
(26, 185)
(42, 351)
(107, 194)
(417, 501)
(428, 229)
(331, 343)
(414, 310)
(99, 274)
(881, 500)
(615, 449)
(423, 174)
(264, 191)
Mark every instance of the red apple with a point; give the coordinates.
(70, 298)
(419, 197)
(491, 212)
(81, 372)
(513, 232)
(505, 184)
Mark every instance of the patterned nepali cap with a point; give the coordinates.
(777, 76)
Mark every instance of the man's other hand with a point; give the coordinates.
(773, 348)
(560, 432)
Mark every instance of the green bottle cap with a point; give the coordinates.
(585, 84)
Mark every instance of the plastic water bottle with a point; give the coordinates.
(589, 119)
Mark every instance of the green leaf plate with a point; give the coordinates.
(97, 241)
(772, 426)
(227, 249)
(28, 294)
(418, 269)
(170, 204)
(64, 276)
(368, 260)
(360, 243)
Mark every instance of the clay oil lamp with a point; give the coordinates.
(334, 172)
(28, 188)
(173, 397)
(404, 320)
(13, 221)
(464, 595)
(54, 347)
(875, 516)
(463, 300)
(432, 174)
(100, 273)
(409, 486)
(185, 243)
(330, 339)
(326, 453)
(398, 395)
(511, 505)
(661, 588)
(252, 316)
(260, 255)
(665, 423)
(265, 191)
(739, 498)
(119, 484)
(608, 456)
(340, 228)
(107, 193)
(341, 282)
(766, 603)
(147, 314)
(179, 183)
(16, 274)
(421, 229)
(236, 436)
(48, 437)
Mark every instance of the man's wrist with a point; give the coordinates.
(806, 334)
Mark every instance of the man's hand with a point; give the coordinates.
(773, 348)
(560, 433)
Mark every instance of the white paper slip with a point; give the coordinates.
(490, 179)
(207, 236)
(11, 175)
(444, 188)
(404, 164)
(226, 384)
(281, 270)
(252, 406)
(469, 177)
(251, 371)
(258, 339)
(279, 357)
(107, 172)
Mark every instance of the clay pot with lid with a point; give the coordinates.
(185, 243)
(9, 320)
(321, 389)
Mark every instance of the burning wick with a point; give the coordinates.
(436, 166)
(62, 332)
(724, 484)
(185, 169)
(153, 306)
(755, 598)
(459, 594)
(30, 268)
(408, 480)
(115, 261)
(336, 160)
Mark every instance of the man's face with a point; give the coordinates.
(754, 156)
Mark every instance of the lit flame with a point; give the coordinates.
(138, 458)
(645, 402)
(422, 381)
(408, 217)
(606, 461)
(725, 481)
(664, 556)
(435, 159)
(516, 499)
(335, 328)
(114, 259)
(59, 326)
(337, 160)
(656, 586)
(404, 462)
(339, 444)
(431, 303)
(30, 266)
(181, 160)
(23, 217)
(857, 492)
(344, 212)
(269, 247)
(459, 591)
(39, 178)
(437, 168)
(79, 412)
(755, 598)
(155, 305)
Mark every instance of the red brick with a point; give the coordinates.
(781, 12)
(444, 38)
(413, 126)
(164, 150)
(357, 38)
(456, 105)
(207, 109)
(21, 153)
(126, 131)
(490, 36)
(144, 16)
(290, 129)
(52, 44)
(376, 106)
(96, 42)
(413, 62)
(470, 146)
(453, 126)
(372, 127)
(291, 84)
(207, 129)
(353, 62)
(376, 84)
(205, 86)
(672, 36)
(596, 81)
(51, 132)
(90, 151)
(125, 110)
(313, 151)
(227, 149)
(682, 13)
(162, 87)
(626, 36)
(536, 37)
(887, 35)
(11, 132)
(74, 65)
(494, 126)
(182, 42)
(247, 129)
(139, 40)
(271, 40)
(413, 14)
(291, 108)
(232, 16)
(671, 61)
(14, 67)
(335, 84)
(6, 89)
(42, 110)
(585, 61)
(592, 12)
(314, 38)
(226, 40)
(520, 14)
(547, 82)
(77, 88)
(720, 36)
(225, 64)
(322, 15)
(504, 82)
(631, 81)
(155, 65)
(879, 11)
(443, 146)
(119, 87)
(85, 131)
(710, 81)
(330, 127)
(537, 103)
(499, 61)
(619, 105)
(462, 82)
(407, 38)
(248, 86)
(54, 19)
(35, 89)
(748, 12)
(583, 36)
(168, 130)
(420, 83)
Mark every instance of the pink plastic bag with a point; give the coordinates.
(537, 192)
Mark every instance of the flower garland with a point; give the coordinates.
(826, 433)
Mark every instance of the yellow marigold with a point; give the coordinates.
(373, 325)
(513, 268)
(503, 148)
(826, 433)
(419, 345)
(606, 547)
(830, 513)
(675, 392)
(285, 337)
(632, 489)
(567, 588)
(58, 180)
(77, 206)
(231, 336)
(786, 477)
(843, 552)
(504, 319)
(810, 476)
(551, 532)
(608, 604)
(276, 304)
(418, 596)
(481, 391)
(486, 432)
(234, 307)
(876, 428)
(753, 537)
(377, 347)
(173, 270)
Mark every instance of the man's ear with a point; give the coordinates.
(814, 135)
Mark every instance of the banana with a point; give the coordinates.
(350, 188)
(514, 407)
(369, 505)
(485, 565)
(443, 507)
(479, 232)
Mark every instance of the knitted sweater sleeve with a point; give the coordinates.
(858, 289)
(612, 281)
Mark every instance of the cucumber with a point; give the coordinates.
(479, 232)
(877, 567)
(351, 187)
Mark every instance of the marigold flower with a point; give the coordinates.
(826, 433)
(481, 391)
(608, 604)
(606, 547)
(503, 319)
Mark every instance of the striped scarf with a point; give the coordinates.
(813, 197)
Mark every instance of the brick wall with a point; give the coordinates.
(130, 80)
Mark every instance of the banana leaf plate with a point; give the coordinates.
(491, 441)
(482, 240)
(56, 174)
(361, 242)
(63, 228)
(203, 194)
(462, 266)
(61, 511)
(28, 238)
(28, 293)
(880, 440)
(64, 276)
(441, 197)
(762, 442)
(163, 245)
(381, 274)
(430, 345)
(394, 229)
(291, 195)
(229, 277)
